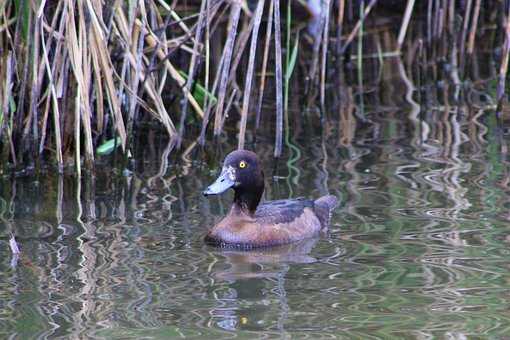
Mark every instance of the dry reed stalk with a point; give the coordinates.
(325, 7)
(32, 119)
(235, 12)
(207, 54)
(59, 13)
(249, 73)
(278, 80)
(57, 61)
(137, 51)
(160, 80)
(339, 26)
(85, 115)
(7, 93)
(178, 19)
(153, 42)
(192, 69)
(360, 63)
(315, 55)
(474, 23)
(78, 53)
(205, 121)
(6, 24)
(429, 21)
(405, 23)
(451, 18)
(99, 47)
(441, 20)
(56, 112)
(504, 65)
(77, 146)
(356, 28)
(435, 27)
(149, 83)
(465, 26)
(230, 101)
(239, 48)
(267, 43)
(21, 55)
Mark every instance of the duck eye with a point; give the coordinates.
(242, 164)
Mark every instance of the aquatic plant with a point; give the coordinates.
(80, 78)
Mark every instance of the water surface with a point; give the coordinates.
(418, 248)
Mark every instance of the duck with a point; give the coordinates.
(251, 224)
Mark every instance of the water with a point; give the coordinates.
(418, 248)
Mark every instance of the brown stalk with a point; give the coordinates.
(249, 73)
(405, 23)
(339, 24)
(207, 54)
(18, 46)
(77, 146)
(230, 101)
(79, 51)
(207, 114)
(152, 41)
(264, 64)
(325, 39)
(56, 112)
(504, 64)
(57, 60)
(451, 18)
(429, 21)
(316, 47)
(278, 80)
(192, 68)
(99, 47)
(178, 19)
(7, 93)
(98, 90)
(239, 49)
(50, 42)
(149, 83)
(356, 28)
(31, 121)
(464, 29)
(136, 45)
(225, 71)
(6, 24)
(474, 23)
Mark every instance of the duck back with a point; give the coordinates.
(324, 207)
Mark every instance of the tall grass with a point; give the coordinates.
(78, 78)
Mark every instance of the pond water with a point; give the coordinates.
(419, 246)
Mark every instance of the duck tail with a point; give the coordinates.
(324, 207)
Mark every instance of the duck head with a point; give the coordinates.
(242, 172)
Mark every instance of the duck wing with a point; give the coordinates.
(282, 211)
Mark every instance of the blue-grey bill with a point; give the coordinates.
(222, 184)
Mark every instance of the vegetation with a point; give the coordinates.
(79, 78)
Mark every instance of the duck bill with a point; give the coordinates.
(222, 184)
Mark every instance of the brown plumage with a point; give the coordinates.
(250, 225)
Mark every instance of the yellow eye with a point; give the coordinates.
(242, 164)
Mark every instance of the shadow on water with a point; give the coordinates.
(418, 248)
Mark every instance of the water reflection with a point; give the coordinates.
(419, 247)
(260, 263)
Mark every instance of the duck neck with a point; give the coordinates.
(247, 201)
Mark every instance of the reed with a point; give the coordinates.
(249, 75)
(278, 80)
(78, 78)
(503, 70)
